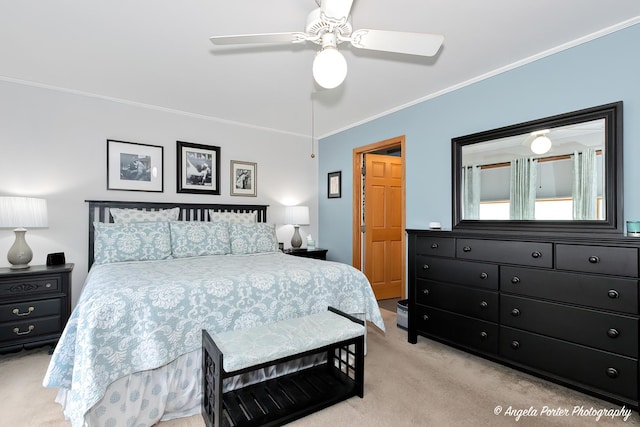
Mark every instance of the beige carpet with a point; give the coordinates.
(427, 384)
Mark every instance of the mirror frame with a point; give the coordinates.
(612, 113)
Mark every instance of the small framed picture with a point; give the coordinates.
(198, 168)
(334, 184)
(244, 178)
(134, 167)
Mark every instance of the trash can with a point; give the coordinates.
(403, 314)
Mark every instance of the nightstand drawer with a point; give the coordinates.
(30, 285)
(19, 311)
(28, 329)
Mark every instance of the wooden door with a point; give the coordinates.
(383, 244)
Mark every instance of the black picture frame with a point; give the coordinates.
(198, 168)
(132, 166)
(334, 185)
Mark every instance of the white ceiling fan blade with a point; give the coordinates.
(336, 11)
(423, 44)
(294, 37)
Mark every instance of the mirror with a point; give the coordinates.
(558, 173)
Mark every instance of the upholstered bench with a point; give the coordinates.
(333, 339)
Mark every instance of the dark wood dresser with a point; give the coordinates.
(564, 308)
(35, 305)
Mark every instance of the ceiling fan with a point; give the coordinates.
(330, 25)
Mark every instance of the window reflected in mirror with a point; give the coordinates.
(546, 174)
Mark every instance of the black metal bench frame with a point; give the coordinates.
(281, 400)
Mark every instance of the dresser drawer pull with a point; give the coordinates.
(425, 317)
(483, 335)
(484, 304)
(613, 333)
(613, 294)
(16, 311)
(536, 254)
(612, 372)
(515, 280)
(425, 267)
(434, 246)
(425, 291)
(466, 249)
(17, 330)
(594, 259)
(515, 345)
(515, 312)
(484, 275)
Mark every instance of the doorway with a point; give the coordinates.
(379, 215)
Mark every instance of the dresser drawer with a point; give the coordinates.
(476, 303)
(454, 271)
(30, 309)
(533, 254)
(436, 246)
(605, 292)
(458, 329)
(30, 286)
(606, 331)
(590, 367)
(29, 329)
(597, 259)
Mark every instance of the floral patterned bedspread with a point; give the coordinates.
(136, 316)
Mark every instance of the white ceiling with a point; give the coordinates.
(157, 52)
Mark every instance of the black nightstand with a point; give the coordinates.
(35, 305)
(316, 253)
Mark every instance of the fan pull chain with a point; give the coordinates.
(313, 130)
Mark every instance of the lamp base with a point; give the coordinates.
(20, 254)
(296, 240)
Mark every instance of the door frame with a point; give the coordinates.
(357, 201)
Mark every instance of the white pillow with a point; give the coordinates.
(233, 217)
(139, 215)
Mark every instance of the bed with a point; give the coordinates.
(159, 273)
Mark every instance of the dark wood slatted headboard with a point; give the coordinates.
(99, 211)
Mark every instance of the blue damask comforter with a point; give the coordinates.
(137, 316)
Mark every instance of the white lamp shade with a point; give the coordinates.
(297, 215)
(329, 68)
(23, 212)
(541, 144)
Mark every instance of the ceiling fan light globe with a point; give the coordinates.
(541, 144)
(329, 68)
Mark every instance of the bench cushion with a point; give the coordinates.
(243, 348)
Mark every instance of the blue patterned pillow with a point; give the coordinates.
(135, 241)
(139, 215)
(195, 238)
(253, 238)
(233, 217)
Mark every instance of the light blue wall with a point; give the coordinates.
(597, 72)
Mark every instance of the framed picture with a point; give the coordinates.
(198, 168)
(243, 178)
(334, 185)
(134, 167)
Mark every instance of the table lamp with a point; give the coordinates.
(19, 213)
(297, 216)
